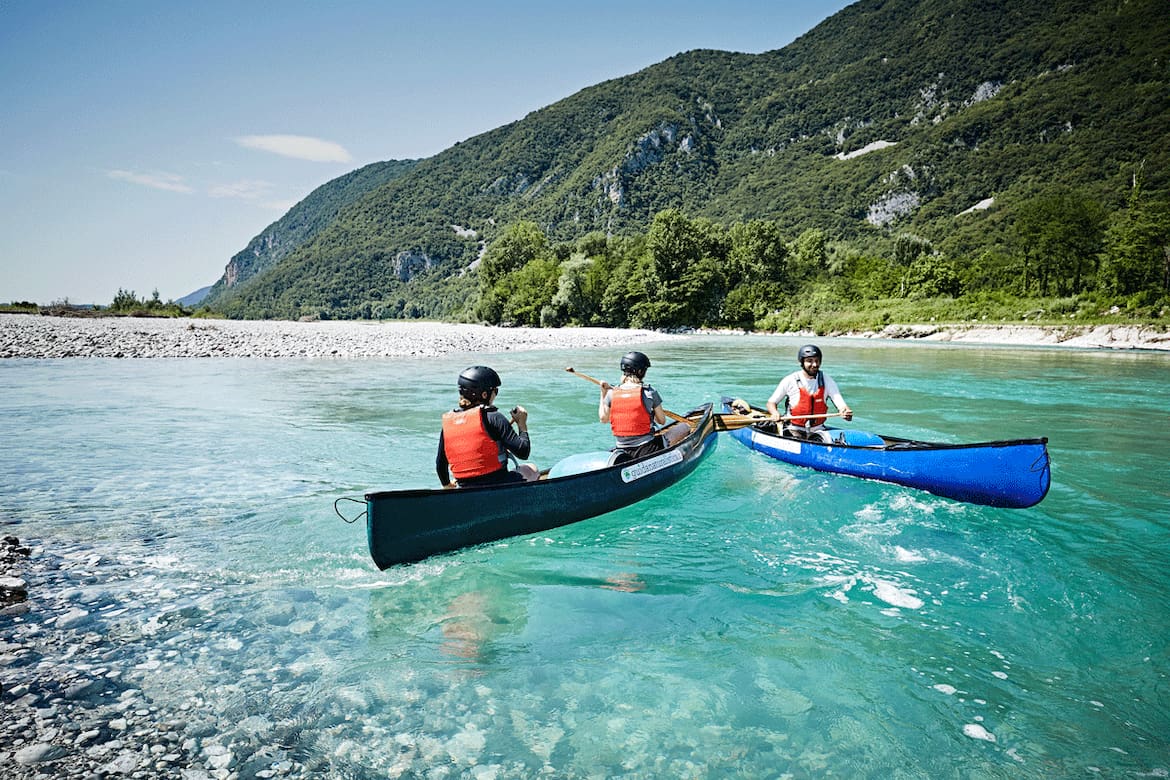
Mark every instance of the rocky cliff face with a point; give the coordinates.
(408, 265)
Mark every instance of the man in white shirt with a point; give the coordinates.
(804, 393)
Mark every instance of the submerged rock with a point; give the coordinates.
(39, 753)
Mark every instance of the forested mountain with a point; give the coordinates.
(303, 221)
(895, 128)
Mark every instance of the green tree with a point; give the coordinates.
(674, 243)
(932, 275)
(746, 304)
(809, 256)
(686, 257)
(907, 249)
(519, 244)
(627, 298)
(529, 290)
(1060, 235)
(125, 300)
(572, 303)
(1136, 257)
(869, 277)
(758, 252)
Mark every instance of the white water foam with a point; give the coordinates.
(975, 731)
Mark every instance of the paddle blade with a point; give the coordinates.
(731, 422)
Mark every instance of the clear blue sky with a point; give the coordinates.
(142, 144)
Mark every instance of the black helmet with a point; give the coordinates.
(634, 363)
(807, 351)
(479, 378)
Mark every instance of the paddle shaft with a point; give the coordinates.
(761, 416)
(597, 382)
(807, 416)
(732, 421)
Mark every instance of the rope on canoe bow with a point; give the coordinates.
(355, 518)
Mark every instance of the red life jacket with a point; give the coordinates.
(810, 403)
(471, 452)
(627, 412)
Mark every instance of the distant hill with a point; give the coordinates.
(303, 221)
(936, 117)
(195, 298)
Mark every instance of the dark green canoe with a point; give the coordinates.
(408, 525)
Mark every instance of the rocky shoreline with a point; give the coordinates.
(1085, 336)
(32, 336)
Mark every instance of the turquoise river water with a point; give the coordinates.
(755, 620)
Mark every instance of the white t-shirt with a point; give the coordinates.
(790, 386)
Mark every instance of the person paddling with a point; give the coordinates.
(477, 438)
(633, 408)
(804, 393)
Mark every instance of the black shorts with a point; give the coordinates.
(501, 477)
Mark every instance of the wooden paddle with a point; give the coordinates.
(731, 422)
(667, 412)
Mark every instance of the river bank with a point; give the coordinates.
(1084, 336)
(32, 336)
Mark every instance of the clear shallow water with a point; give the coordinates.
(755, 620)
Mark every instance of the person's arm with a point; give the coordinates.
(441, 466)
(500, 429)
(774, 400)
(834, 394)
(656, 411)
(842, 407)
(603, 405)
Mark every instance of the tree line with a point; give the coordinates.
(694, 272)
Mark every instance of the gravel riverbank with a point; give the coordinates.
(32, 336)
(1085, 336)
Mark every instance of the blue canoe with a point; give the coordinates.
(1013, 474)
(404, 526)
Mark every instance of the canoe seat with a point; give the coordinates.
(859, 438)
(580, 463)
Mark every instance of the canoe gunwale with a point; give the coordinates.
(895, 444)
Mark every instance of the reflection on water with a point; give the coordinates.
(466, 626)
(625, 581)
